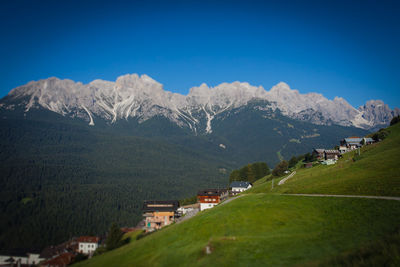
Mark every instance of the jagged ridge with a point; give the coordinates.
(141, 97)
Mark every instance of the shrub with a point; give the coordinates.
(395, 120)
(280, 169)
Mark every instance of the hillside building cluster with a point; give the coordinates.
(330, 156)
(160, 213)
(54, 256)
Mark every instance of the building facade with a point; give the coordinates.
(209, 198)
(159, 213)
(87, 244)
(239, 186)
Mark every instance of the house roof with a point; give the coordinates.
(88, 239)
(240, 184)
(368, 139)
(160, 205)
(211, 192)
(319, 150)
(61, 260)
(332, 152)
(353, 140)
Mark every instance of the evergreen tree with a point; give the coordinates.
(114, 237)
(280, 169)
(395, 120)
(293, 161)
(234, 176)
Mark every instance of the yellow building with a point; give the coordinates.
(159, 213)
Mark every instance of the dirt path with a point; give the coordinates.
(230, 199)
(353, 196)
(281, 182)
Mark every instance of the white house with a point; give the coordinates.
(28, 259)
(87, 244)
(209, 198)
(240, 186)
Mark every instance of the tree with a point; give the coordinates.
(395, 120)
(280, 169)
(234, 176)
(261, 169)
(114, 237)
(293, 161)
(309, 157)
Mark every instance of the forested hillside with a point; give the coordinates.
(61, 178)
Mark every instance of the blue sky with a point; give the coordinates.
(337, 48)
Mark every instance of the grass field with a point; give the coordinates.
(260, 229)
(375, 172)
(265, 228)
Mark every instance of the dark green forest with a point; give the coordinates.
(62, 178)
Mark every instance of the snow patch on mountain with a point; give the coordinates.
(141, 97)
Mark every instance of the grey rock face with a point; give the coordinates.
(141, 97)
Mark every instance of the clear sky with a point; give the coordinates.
(338, 48)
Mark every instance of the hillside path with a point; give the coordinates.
(353, 196)
(285, 179)
(230, 199)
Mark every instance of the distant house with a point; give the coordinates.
(61, 260)
(159, 213)
(368, 140)
(331, 154)
(351, 142)
(308, 165)
(87, 244)
(22, 258)
(318, 153)
(208, 198)
(239, 186)
(53, 251)
(188, 208)
(342, 149)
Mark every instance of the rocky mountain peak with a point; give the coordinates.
(141, 97)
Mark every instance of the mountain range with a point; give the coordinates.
(76, 157)
(141, 97)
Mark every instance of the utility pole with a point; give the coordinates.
(272, 184)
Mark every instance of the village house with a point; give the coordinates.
(239, 186)
(318, 153)
(308, 165)
(342, 149)
(368, 140)
(61, 260)
(188, 208)
(21, 259)
(331, 154)
(351, 142)
(209, 198)
(159, 213)
(87, 244)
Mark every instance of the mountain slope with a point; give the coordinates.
(131, 96)
(76, 157)
(61, 178)
(261, 228)
(374, 172)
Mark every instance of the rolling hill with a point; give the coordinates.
(268, 227)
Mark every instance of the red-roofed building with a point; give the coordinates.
(87, 244)
(61, 260)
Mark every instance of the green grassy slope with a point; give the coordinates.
(260, 229)
(265, 228)
(375, 172)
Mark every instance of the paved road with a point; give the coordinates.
(353, 196)
(285, 179)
